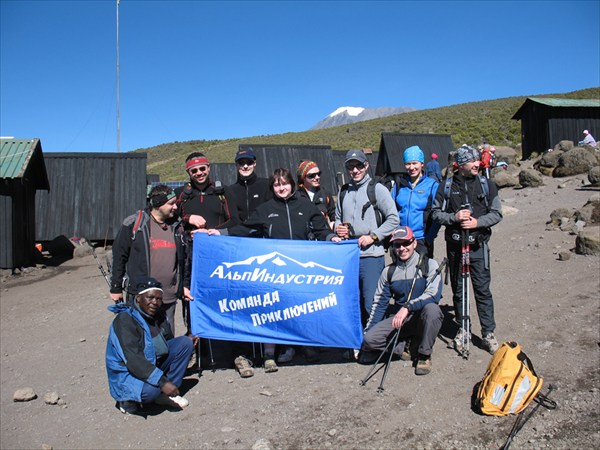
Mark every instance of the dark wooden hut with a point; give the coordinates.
(271, 157)
(90, 194)
(22, 174)
(392, 146)
(547, 121)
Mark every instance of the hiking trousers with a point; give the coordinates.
(481, 277)
(424, 324)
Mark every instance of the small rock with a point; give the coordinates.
(266, 393)
(332, 432)
(377, 431)
(262, 444)
(564, 256)
(82, 340)
(61, 402)
(24, 395)
(51, 398)
(226, 430)
(46, 447)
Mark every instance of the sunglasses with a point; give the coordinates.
(193, 170)
(403, 243)
(351, 167)
(312, 176)
(245, 162)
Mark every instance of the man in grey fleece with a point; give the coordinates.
(354, 221)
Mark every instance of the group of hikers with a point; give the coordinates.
(151, 267)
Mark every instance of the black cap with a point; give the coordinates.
(143, 283)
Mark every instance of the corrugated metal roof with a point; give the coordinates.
(556, 103)
(566, 102)
(15, 155)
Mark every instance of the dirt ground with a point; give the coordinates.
(54, 326)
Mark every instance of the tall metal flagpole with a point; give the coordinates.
(118, 88)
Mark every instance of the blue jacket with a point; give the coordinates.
(432, 170)
(126, 377)
(414, 206)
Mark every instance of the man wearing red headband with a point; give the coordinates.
(204, 205)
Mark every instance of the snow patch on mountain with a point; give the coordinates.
(351, 110)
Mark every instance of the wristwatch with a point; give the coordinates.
(374, 237)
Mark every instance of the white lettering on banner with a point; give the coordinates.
(262, 276)
(310, 307)
(252, 301)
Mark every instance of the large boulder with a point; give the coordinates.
(575, 161)
(503, 179)
(549, 159)
(506, 154)
(594, 176)
(564, 146)
(556, 216)
(590, 212)
(530, 178)
(588, 242)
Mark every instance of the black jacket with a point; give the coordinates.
(131, 252)
(248, 193)
(216, 205)
(293, 218)
(322, 200)
(467, 191)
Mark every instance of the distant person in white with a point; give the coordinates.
(588, 139)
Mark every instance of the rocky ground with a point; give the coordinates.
(53, 325)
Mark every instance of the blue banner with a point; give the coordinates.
(276, 291)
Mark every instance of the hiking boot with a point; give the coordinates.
(406, 356)
(286, 355)
(244, 366)
(177, 401)
(311, 354)
(489, 343)
(128, 407)
(423, 365)
(458, 339)
(270, 366)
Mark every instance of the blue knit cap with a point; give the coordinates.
(414, 153)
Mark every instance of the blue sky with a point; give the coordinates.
(217, 70)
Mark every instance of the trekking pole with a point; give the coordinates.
(100, 266)
(543, 399)
(465, 307)
(394, 341)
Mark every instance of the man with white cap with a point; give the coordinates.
(416, 286)
(357, 217)
(588, 139)
(468, 205)
(145, 363)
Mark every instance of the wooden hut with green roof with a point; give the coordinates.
(22, 173)
(547, 121)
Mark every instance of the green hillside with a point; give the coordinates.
(471, 123)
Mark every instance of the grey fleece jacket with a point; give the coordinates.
(351, 211)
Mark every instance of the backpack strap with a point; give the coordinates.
(485, 187)
(343, 191)
(447, 186)
(137, 224)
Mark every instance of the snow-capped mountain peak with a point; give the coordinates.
(351, 114)
(350, 110)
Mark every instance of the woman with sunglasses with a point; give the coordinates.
(309, 186)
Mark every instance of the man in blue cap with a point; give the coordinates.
(356, 217)
(469, 205)
(249, 190)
